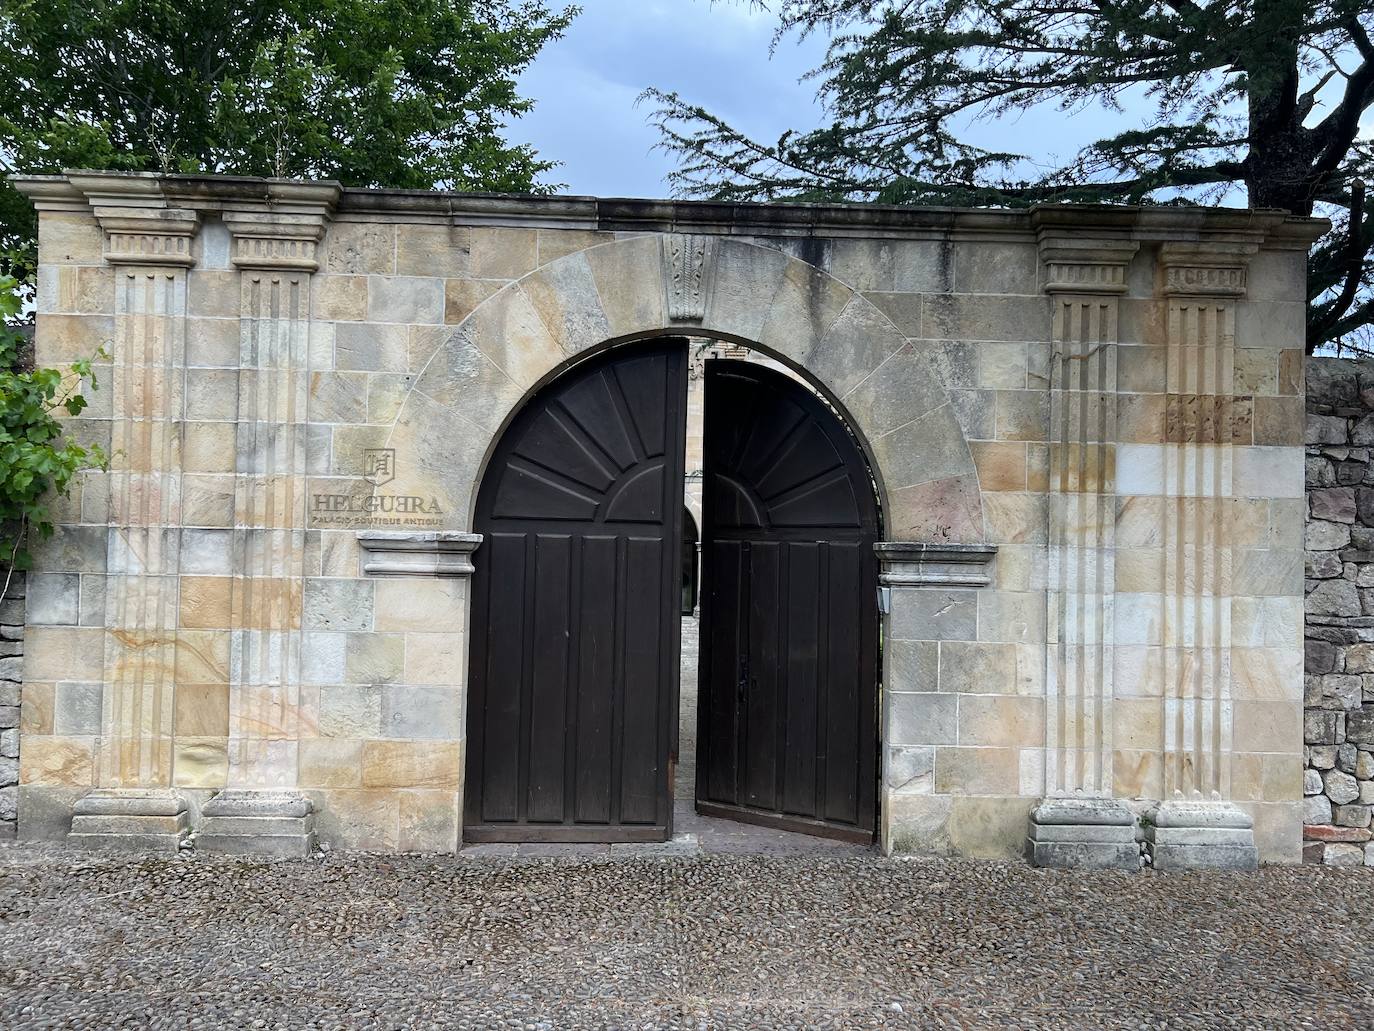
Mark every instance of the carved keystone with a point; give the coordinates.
(687, 267)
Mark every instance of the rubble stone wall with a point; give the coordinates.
(11, 673)
(1338, 718)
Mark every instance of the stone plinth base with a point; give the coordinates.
(135, 819)
(1197, 835)
(260, 823)
(1083, 834)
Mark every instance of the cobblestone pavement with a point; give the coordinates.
(710, 941)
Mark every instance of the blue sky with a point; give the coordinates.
(585, 87)
(717, 55)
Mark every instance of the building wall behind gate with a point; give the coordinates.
(1110, 398)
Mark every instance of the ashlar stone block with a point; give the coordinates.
(1083, 834)
(130, 819)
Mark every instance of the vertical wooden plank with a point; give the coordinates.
(549, 682)
(759, 735)
(643, 771)
(717, 743)
(842, 673)
(499, 703)
(596, 680)
(801, 743)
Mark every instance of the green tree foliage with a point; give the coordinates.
(1264, 94)
(399, 93)
(37, 460)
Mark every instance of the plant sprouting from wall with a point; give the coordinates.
(38, 458)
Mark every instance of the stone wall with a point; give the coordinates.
(11, 672)
(1338, 723)
(1086, 430)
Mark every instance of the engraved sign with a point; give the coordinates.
(379, 465)
(367, 506)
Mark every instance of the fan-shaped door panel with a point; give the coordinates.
(789, 636)
(572, 693)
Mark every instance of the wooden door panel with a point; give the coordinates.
(789, 674)
(573, 675)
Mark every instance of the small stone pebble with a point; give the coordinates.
(697, 941)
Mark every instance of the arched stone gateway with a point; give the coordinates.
(1084, 426)
(892, 392)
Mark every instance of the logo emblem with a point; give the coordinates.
(379, 465)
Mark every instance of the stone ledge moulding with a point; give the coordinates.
(417, 553)
(916, 564)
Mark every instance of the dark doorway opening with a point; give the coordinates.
(590, 570)
(689, 563)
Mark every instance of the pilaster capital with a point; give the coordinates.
(1085, 265)
(141, 227)
(1212, 269)
(287, 234)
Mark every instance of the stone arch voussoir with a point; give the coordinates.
(893, 392)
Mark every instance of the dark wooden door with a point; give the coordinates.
(575, 630)
(789, 638)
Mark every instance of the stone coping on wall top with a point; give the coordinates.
(417, 553)
(76, 189)
(933, 564)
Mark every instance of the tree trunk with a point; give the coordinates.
(1278, 169)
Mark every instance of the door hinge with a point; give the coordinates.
(885, 600)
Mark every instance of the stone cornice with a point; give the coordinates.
(228, 194)
(918, 564)
(222, 194)
(417, 553)
(141, 227)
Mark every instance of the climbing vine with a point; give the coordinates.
(37, 458)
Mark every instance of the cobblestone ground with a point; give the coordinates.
(710, 941)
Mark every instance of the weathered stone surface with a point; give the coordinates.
(1082, 855)
(1322, 656)
(266, 823)
(1322, 757)
(1323, 728)
(1351, 815)
(1342, 855)
(1311, 782)
(130, 819)
(1184, 834)
(1346, 757)
(1359, 726)
(1340, 787)
(1083, 833)
(1326, 832)
(1325, 429)
(1204, 857)
(1362, 432)
(1338, 691)
(1333, 503)
(1334, 597)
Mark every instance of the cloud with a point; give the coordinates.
(585, 86)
